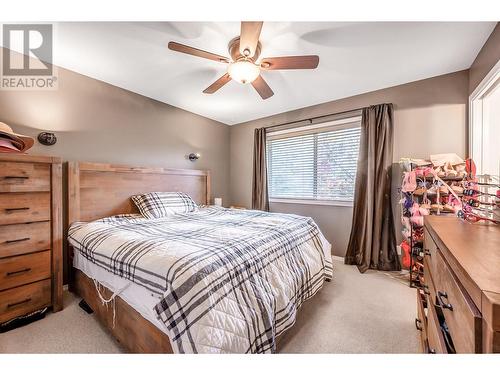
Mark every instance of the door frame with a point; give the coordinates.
(475, 143)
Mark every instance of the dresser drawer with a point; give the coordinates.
(430, 251)
(18, 239)
(24, 207)
(21, 177)
(461, 315)
(24, 299)
(435, 336)
(24, 269)
(429, 288)
(421, 321)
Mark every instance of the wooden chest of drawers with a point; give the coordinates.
(30, 234)
(458, 308)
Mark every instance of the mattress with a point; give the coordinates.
(142, 300)
(215, 280)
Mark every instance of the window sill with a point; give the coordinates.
(312, 202)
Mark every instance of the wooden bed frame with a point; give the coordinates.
(100, 190)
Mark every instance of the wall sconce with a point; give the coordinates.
(47, 139)
(193, 157)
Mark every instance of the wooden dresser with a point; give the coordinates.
(458, 309)
(30, 234)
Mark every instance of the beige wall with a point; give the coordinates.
(98, 122)
(485, 60)
(430, 117)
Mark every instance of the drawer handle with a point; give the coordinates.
(11, 305)
(13, 273)
(442, 295)
(18, 240)
(418, 324)
(17, 209)
(15, 177)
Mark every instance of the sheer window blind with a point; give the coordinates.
(314, 163)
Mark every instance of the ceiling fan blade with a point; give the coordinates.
(217, 84)
(196, 52)
(290, 62)
(262, 88)
(249, 37)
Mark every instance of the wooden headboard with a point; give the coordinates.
(99, 190)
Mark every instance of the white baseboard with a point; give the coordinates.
(337, 258)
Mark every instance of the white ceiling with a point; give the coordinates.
(354, 58)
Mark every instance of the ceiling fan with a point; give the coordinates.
(244, 65)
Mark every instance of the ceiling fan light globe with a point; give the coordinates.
(243, 71)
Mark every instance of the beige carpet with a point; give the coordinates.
(370, 313)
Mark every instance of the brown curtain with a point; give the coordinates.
(260, 200)
(372, 243)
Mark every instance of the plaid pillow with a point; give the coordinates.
(161, 204)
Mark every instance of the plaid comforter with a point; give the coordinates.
(231, 281)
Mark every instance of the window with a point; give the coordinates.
(314, 164)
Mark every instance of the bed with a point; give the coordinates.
(214, 280)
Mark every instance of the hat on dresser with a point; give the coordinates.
(21, 142)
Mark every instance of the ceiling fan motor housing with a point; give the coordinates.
(234, 50)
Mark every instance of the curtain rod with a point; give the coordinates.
(314, 118)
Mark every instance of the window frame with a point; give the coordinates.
(350, 122)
